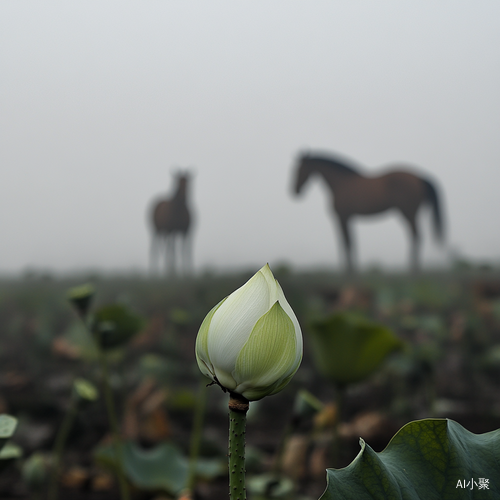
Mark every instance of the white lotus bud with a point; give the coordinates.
(250, 343)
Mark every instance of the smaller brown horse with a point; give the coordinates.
(171, 218)
(356, 194)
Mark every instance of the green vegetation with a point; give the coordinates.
(428, 459)
(449, 367)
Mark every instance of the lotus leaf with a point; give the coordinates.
(113, 325)
(348, 349)
(427, 459)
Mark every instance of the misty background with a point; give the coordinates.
(100, 100)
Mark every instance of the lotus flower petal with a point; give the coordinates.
(251, 342)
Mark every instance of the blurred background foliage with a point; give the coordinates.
(442, 360)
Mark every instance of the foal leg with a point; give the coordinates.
(347, 242)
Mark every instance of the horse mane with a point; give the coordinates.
(341, 164)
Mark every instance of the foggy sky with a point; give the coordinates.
(100, 100)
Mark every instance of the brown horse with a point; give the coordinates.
(171, 218)
(355, 194)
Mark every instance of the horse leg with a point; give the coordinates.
(153, 254)
(170, 257)
(347, 242)
(186, 253)
(415, 243)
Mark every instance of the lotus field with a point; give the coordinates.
(266, 384)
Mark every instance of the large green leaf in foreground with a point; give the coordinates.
(425, 460)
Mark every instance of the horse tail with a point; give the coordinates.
(431, 196)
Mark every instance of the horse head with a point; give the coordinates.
(303, 171)
(182, 176)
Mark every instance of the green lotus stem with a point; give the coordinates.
(113, 424)
(199, 413)
(59, 444)
(238, 407)
(110, 409)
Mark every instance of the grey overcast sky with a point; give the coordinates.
(99, 100)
